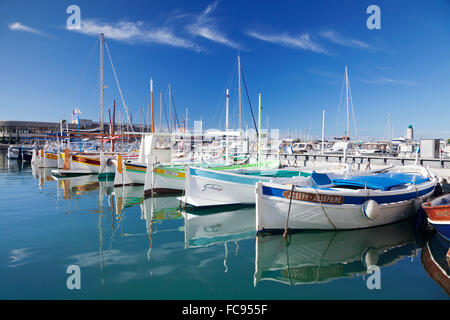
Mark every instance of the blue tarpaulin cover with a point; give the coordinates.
(384, 181)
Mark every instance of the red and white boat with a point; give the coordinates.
(438, 213)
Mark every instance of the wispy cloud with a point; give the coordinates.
(390, 81)
(205, 26)
(303, 41)
(17, 26)
(135, 32)
(336, 38)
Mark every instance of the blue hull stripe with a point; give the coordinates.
(443, 229)
(241, 179)
(275, 192)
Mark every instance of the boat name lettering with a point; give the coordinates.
(211, 186)
(311, 197)
(170, 173)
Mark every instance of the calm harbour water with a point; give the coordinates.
(128, 247)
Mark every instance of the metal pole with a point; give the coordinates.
(101, 86)
(226, 127)
(113, 125)
(78, 124)
(259, 129)
(240, 99)
(151, 97)
(160, 111)
(323, 130)
(346, 90)
(170, 110)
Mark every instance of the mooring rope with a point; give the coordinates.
(289, 212)
(323, 209)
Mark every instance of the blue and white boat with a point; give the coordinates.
(206, 187)
(356, 201)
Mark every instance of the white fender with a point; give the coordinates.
(370, 209)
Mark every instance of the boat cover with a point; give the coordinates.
(384, 181)
(320, 179)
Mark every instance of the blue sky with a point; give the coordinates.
(293, 52)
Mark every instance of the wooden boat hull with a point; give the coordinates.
(48, 160)
(438, 212)
(327, 208)
(165, 180)
(205, 187)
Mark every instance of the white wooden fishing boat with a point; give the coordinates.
(154, 148)
(345, 202)
(45, 158)
(165, 179)
(82, 163)
(206, 187)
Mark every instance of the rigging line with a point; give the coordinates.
(340, 103)
(249, 101)
(120, 90)
(353, 111)
(165, 113)
(219, 114)
(175, 111)
(77, 85)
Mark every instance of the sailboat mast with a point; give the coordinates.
(170, 110)
(259, 129)
(240, 98)
(186, 120)
(346, 90)
(101, 83)
(389, 127)
(226, 126)
(160, 111)
(323, 130)
(151, 101)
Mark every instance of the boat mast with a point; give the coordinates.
(160, 111)
(323, 130)
(186, 121)
(170, 110)
(259, 130)
(346, 90)
(389, 127)
(240, 98)
(101, 86)
(151, 101)
(226, 126)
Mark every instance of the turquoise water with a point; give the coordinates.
(128, 247)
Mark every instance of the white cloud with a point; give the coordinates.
(205, 26)
(303, 41)
(134, 32)
(347, 42)
(17, 26)
(390, 81)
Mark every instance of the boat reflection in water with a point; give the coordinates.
(159, 209)
(436, 261)
(234, 225)
(323, 256)
(128, 196)
(76, 186)
(43, 175)
(206, 229)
